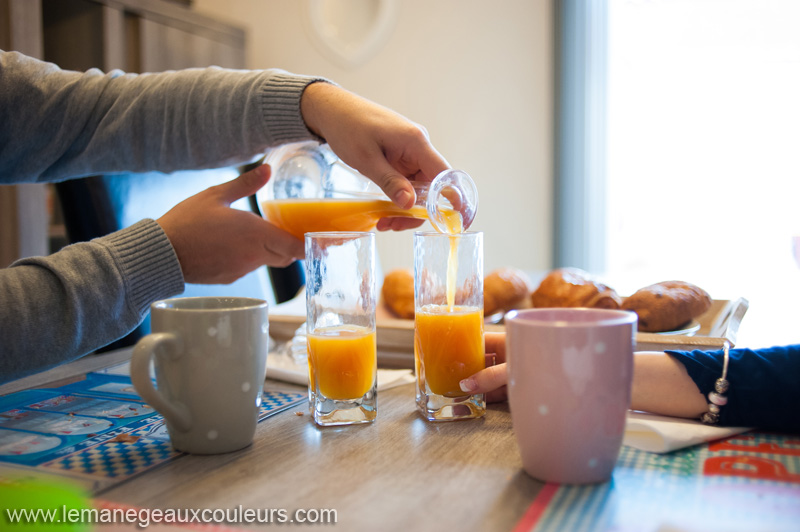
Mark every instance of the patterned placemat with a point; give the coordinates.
(744, 483)
(97, 432)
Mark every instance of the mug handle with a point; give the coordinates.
(176, 413)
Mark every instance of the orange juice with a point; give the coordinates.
(452, 272)
(448, 346)
(300, 216)
(344, 360)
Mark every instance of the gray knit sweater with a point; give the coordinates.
(57, 124)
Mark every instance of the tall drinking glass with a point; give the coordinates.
(448, 323)
(341, 299)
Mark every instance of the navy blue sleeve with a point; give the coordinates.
(764, 388)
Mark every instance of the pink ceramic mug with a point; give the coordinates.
(570, 372)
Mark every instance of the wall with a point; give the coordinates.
(476, 74)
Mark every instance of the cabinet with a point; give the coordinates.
(132, 35)
(137, 36)
(23, 213)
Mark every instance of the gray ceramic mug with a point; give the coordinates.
(210, 358)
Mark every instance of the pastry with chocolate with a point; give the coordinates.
(668, 305)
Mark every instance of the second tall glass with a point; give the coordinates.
(341, 298)
(448, 327)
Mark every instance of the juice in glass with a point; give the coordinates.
(448, 347)
(343, 359)
(448, 323)
(341, 296)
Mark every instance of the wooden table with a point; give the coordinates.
(404, 473)
(399, 473)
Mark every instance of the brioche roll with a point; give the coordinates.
(398, 293)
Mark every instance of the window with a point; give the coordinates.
(701, 166)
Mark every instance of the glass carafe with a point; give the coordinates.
(311, 190)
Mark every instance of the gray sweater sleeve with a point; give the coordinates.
(57, 124)
(85, 296)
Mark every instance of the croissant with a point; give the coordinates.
(505, 289)
(573, 287)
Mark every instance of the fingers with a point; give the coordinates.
(393, 183)
(486, 380)
(492, 380)
(245, 185)
(496, 343)
(409, 157)
(216, 243)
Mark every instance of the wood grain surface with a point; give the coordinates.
(400, 473)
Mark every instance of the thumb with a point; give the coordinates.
(246, 184)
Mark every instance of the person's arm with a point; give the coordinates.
(378, 142)
(57, 124)
(660, 383)
(57, 308)
(764, 384)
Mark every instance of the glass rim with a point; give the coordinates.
(574, 317)
(339, 234)
(437, 233)
(225, 303)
